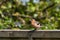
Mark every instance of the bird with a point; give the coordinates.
(35, 24)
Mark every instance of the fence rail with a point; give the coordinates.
(26, 34)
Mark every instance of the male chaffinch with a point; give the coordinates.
(35, 24)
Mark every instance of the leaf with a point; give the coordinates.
(58, 1)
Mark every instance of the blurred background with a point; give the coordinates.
(16, 14)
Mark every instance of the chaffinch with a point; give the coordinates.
(35, 24)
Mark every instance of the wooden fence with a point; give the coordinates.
(29, 35)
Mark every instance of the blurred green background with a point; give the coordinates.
(16, 14)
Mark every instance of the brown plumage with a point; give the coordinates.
(35, 24)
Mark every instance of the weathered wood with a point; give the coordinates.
(24, 34)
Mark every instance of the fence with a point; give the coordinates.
(26, 34)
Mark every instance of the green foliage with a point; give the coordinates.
(47, 13)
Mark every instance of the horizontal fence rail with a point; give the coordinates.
(29, 35)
